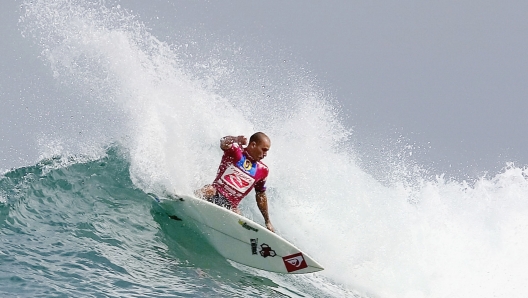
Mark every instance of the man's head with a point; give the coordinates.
(258, 146)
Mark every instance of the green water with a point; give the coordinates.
(82, 229)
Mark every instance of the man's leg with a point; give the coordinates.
(206, 192)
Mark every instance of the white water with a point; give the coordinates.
(412, 237)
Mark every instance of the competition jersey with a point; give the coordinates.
(237, 175)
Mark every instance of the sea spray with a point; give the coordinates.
(108, 52)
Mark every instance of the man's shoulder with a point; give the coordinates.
(263, 166)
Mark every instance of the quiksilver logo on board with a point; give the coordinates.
(294, 262)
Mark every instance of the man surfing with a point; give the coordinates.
(239, 172)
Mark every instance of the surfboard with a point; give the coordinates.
(238, 238)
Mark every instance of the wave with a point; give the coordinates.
(85, 229)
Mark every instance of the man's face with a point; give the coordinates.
(258, 150)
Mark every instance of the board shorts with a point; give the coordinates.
(220, 200)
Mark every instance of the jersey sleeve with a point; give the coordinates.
(234, 151)
(260, 185)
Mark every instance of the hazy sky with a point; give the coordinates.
(448, 75)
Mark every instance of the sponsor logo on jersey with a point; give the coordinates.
(294, 262)
(237, 179)
(247, 165)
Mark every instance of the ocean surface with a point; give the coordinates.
(124, 113)
(85, 230)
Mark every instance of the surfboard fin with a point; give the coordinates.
(174, 217)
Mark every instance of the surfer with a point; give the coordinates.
(239, 172)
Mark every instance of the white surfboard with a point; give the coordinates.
(239, 239)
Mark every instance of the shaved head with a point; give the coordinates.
(258, 146)
(258, 137)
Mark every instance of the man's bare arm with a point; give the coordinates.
(227, 141)
(262, 203)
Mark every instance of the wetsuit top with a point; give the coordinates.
(238, 174)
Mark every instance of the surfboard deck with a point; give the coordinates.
(238, 238)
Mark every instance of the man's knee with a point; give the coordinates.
(205, 192)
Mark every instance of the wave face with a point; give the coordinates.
(79, 221)
(84, 230)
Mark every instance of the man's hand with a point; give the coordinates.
(241, 140)
(227, 141)
(270, 226)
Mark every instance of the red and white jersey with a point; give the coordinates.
(237, 175)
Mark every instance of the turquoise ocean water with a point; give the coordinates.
(84, 230)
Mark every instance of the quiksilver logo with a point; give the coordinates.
(246, 226)
(236, 180)
(295, 261)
